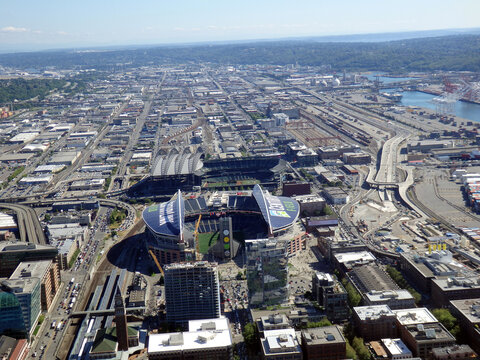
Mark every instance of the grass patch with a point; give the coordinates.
(207, 240)
(37, 329)
(73, 258)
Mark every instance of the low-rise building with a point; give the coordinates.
(375, 322)
(281, 344)
(421, 331)
(423, 338)
(468, 313)
(90, 184)
(346, 261)
(13, 349)
(330, 294)
(356, 158)
(310, 204)
(371, 277)
(272, 322)
(206, 339)
(396, 349)
(455, 288)
(460, 352)
(395, 299)
(323, 343)
(336, 195)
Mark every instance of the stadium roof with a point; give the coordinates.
(166, 218)
(177, 164)
(278, 211)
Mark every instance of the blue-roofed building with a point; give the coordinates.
(166, 224)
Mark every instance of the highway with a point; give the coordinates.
(28, 224)
(386, 173)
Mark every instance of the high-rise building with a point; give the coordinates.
(191, 291)
(267, 271)
(27, 291)
(49, 274)
(11, 316)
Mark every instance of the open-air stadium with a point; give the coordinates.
(223, 221)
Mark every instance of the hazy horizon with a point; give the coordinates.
(31, 25)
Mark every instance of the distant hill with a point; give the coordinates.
(452, 52)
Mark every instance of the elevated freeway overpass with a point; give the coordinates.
(29, 226)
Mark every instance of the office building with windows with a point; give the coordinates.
(191, 291)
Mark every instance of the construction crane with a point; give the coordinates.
(156, 262)
(195, 235)
(445, 103)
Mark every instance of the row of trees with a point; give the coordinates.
(400, 280)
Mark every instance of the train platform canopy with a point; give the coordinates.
(168, 218)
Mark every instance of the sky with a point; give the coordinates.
(36, 24)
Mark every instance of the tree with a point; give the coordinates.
(251, 336)
(400, 280)
(350, 352)
(445, 317)
(354, 298)
(322, 323)
(361, 349)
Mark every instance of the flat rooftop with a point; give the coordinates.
(458, 283)
(470, 308)
(323, 335)
(191, 340)
(357, 256)
(415, 316)
(209, 324)
(280, 341)
(396, 347)
(22, 285)
(31, 269)
(373, 312)
(376, 296)
(430, 332)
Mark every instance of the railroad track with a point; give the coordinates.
(459, 208)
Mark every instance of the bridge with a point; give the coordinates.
(104, 312)
(29, 226)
